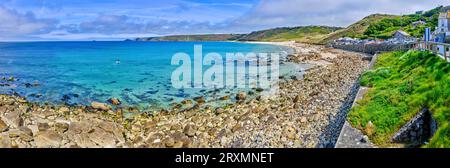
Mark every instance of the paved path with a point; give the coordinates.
(352, 138)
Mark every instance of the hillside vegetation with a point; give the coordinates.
(205, 37)
(357, 29)
(384, 28)
(306, 34)
(380, 26)
(401, 85)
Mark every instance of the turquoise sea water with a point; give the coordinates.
(82, 72)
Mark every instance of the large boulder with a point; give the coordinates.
(103, 138)
(14, 118)
(114, 101)
(48, 139)
(241, 96)
(186, 102)
(200, 99)
(100, 106)
(3, 126)
(5, 141)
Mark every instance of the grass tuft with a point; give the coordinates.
(402, 84)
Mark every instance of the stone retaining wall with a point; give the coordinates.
(350, 137)
(418, 130)
(373, 48)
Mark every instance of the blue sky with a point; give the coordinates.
(119, 19)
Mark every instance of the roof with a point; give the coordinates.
(444, 15)
(402, 32)
(419, 22)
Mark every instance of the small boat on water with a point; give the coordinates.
(117, 61)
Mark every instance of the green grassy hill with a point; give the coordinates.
(380, 26)
(357, 29)
(401, 85)
(204, 37)
(384, 28)
(304, 34)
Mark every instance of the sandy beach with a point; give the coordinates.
(305, 113)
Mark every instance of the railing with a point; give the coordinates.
(440, 49)
(374, 48)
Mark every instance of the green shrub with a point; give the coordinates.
(385, 28)
(402, 84)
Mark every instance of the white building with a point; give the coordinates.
(403, 37)
(418, 23)
(442, 32)
(443, 25)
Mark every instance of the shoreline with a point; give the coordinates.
(209, 96)
(304, 109)
(289, 44)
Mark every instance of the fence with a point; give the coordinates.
(440, 49)
(374, 48)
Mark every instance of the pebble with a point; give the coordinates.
(169, 142)
(189, 130)
(303, 120)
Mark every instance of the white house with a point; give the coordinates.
(418, 23)
(403, 36)
(443, 22)
(442, 30)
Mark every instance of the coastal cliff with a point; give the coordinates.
(206, 37)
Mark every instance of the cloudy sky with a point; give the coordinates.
(25, 20)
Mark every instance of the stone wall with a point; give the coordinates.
(418, 130)
(373, 48)
(350, 137)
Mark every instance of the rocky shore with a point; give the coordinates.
(304, 113)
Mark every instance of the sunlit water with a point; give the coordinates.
(82, 72)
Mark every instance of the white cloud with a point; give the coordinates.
(135, 18)
(123, 24)
(14, 23)
(274, 13)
